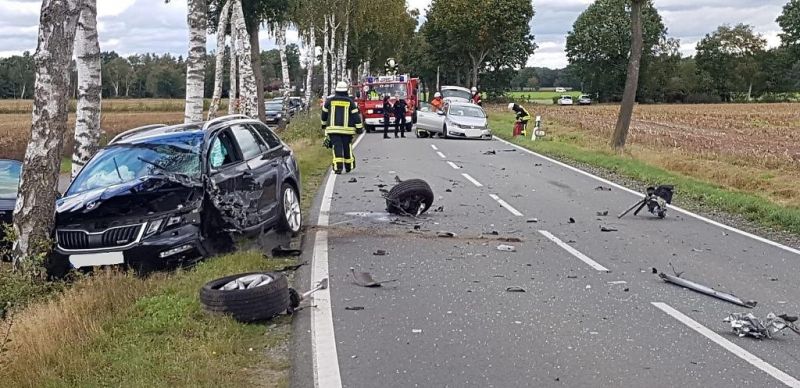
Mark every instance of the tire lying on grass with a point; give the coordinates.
(409, 197)
(257, 303)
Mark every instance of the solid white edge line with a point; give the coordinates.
(441, 155)
(678, 209)
(435, 148)
(453, 165)
(729, 346)
(323, 338)
(506, 205)
(471, 179)
(573, 251)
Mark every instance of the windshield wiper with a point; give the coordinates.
(156, 165)
(116, 166)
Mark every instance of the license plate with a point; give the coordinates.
(94, 259)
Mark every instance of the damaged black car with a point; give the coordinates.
(163, 195)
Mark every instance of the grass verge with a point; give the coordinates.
(113, 329)
(572, 145)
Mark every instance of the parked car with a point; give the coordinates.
(456, 94)
(584, 100)
(160, 194)
(10, 171)
(274, 112)
(299, 102)
(295, 105)
(565, 100)
(456, 120)
(561, 90)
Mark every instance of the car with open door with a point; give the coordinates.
(162, 195)
(455, 120)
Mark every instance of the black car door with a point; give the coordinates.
(263, 170)
(231, 190)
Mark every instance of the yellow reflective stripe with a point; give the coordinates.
(324, 109)
(354, 111)
(359, 126)
(344, 105)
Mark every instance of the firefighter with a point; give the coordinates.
(340, 120)
(476, 97)
(521, 125)
(437, 102)
(388, 112)
(400, 117)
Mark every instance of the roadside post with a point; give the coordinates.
(537, 129)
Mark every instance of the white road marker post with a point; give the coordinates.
(537, 129)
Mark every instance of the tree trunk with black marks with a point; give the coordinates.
(255, 52)
(34, 213)
(248, 97)
(632, 81)
(326, 50)
(195, 62)
(311, 50)
(224, 17)
(280, 41)
(90, 88)
(343, 50)
(233, 91)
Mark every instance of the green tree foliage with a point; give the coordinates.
(599, 44)
(789, 21)
(729, 56)
(16, 76)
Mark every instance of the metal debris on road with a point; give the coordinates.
(445, 234)
(364, 279)
(608, 229)
(379, 252)
(616, 282)
(416, 331)
(515, 289)
(749, 325)
(510, 239)
(352, 180)
(490, 152)
(602, 213)
(656, 199)
(506, 248)
(321, 285)
(354, 308)
(571, 220)
(280, 251)
(602, 188)
(532, 220)
(705, 290)
(289, 268)
(448, 191)
(572, 276)
(439, 209)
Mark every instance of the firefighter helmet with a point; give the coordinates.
(474, 90)
(511, 106)
(341, 87)
(437, 95)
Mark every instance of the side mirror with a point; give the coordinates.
(440, 112)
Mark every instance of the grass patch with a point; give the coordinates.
(565, 143)
(540, 97)
(113, 329)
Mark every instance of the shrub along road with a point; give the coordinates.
(593, 313)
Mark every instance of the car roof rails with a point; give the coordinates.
(134, 131)
(221, 119)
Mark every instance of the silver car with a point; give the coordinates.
(463, 120)
(456, 94)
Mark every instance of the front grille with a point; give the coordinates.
(111, 238)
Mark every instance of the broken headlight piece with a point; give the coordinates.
(153, 226)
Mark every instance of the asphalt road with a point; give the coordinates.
(593, 313)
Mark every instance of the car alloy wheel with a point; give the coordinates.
(291, 210)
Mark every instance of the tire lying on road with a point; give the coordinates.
(409, 197)
(247, 305)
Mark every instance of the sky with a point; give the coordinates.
(139, 26)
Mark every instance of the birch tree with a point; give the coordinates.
(195, 61)
(247, 81)
(326, 47)
(310, 54)
(33, 215)
(90, 88)
(280, 41)
(220, 59)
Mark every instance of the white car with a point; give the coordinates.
(561, 90)
(456, 94)
(565, 100)
(463, 120)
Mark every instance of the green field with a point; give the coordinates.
(540, 97)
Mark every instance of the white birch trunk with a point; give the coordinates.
(233, 69)
(326, 50)
(33, 214)
(220, 59)
(247, 80)
(195, 61)
(311, 50)
(280, 41)
(343, 51)
(332, 52)
(22, 95)
(90, 89)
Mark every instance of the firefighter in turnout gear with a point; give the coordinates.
(340, 120)
(521, 125)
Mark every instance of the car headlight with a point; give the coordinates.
(173, 221)
(370, 111)
(279, 115)
(153, 226)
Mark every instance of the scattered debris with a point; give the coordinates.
(608, 229)
(417, 227)
(397, 179)
(749, 325)
(602, 213)
(626, 289)
(532, 220)
(515, 289)
(352, 180)
(354, 308)
(439, 209)
(616, 282)
(537, 165)
(369, 191)
(416, 331)
(490, 152)
(572, 276)
(602, 188)
(448, 191)
(295, 267)
(656, 199)
(506, 248)
(588, 286)
(380, 185)
(705, 290)
(364, 279)
(321, 285)
(655, 271)
(379, 252)
(445, 234)
(280, 251)
(510, 239)
(571, 220)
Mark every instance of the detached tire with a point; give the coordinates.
(407, 197)
(255, 304)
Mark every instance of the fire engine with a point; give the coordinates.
(369, 97)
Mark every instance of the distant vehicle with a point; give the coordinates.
(295, 105)
(299, 102)
(274, 112)
(584, 100)
(456, 94)
(565, 100)
(173, 194)
(457, 120)
(10, 171)
(561, 90)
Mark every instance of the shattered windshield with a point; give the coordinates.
(120, 163)
(456, 93)
(9, 178)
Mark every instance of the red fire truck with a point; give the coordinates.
(369, 97)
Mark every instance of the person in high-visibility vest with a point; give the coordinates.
(340, 120)
(521, 124)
